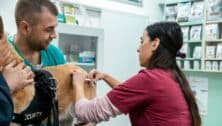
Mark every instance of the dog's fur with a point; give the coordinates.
(62, 74)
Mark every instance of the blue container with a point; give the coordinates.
(86, 59)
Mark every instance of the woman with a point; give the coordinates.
(12, 78)
(158, 95)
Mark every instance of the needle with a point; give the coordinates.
(90, 80)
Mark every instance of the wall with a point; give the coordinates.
(213, 117)
(7, 12)
(153, 10)
(122, 34)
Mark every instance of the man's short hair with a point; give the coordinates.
(29, 9)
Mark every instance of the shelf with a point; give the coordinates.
(191, 44)
(216, 40)
(192, 41)
(212, 71)
(160, 2)
(212, 59)
(68, 29)
(192, 70)
(84, 64)
(188, 59)
(169, 2)
(189, 23)
(214, 21)
(131, 2)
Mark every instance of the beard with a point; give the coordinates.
(37, 45)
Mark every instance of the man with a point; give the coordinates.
(36, 21)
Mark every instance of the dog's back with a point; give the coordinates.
(65, 95)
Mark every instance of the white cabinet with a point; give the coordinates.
(81, 45)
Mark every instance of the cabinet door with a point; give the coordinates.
(80, 45)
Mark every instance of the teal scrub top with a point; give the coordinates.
(52, 56)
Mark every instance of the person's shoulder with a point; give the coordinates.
(54, 53)
(53, 48)
(155, 74)
(10, 39)
(2, 79)
(155, 70)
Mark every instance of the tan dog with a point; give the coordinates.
(62, 73)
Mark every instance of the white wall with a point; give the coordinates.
(121, 40)
(7, 12)
(153, 10)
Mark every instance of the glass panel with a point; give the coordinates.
(82, 50)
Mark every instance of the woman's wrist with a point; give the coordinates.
(105, 76)
(79, 93)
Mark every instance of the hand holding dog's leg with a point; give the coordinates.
(97, 75)
(17, 76)
(78, 81)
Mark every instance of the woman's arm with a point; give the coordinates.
(96, 110)
(6, 110)
(97, 75)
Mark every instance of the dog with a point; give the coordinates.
(62, 74)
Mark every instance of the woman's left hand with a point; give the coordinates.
(78, 78)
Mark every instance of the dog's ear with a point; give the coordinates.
(1, 28)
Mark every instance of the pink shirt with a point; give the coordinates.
(152, 98)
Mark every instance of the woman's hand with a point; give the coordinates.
(78, 78)
(17, 76)
(95, 75)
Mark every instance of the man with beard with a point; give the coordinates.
(36, 22)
